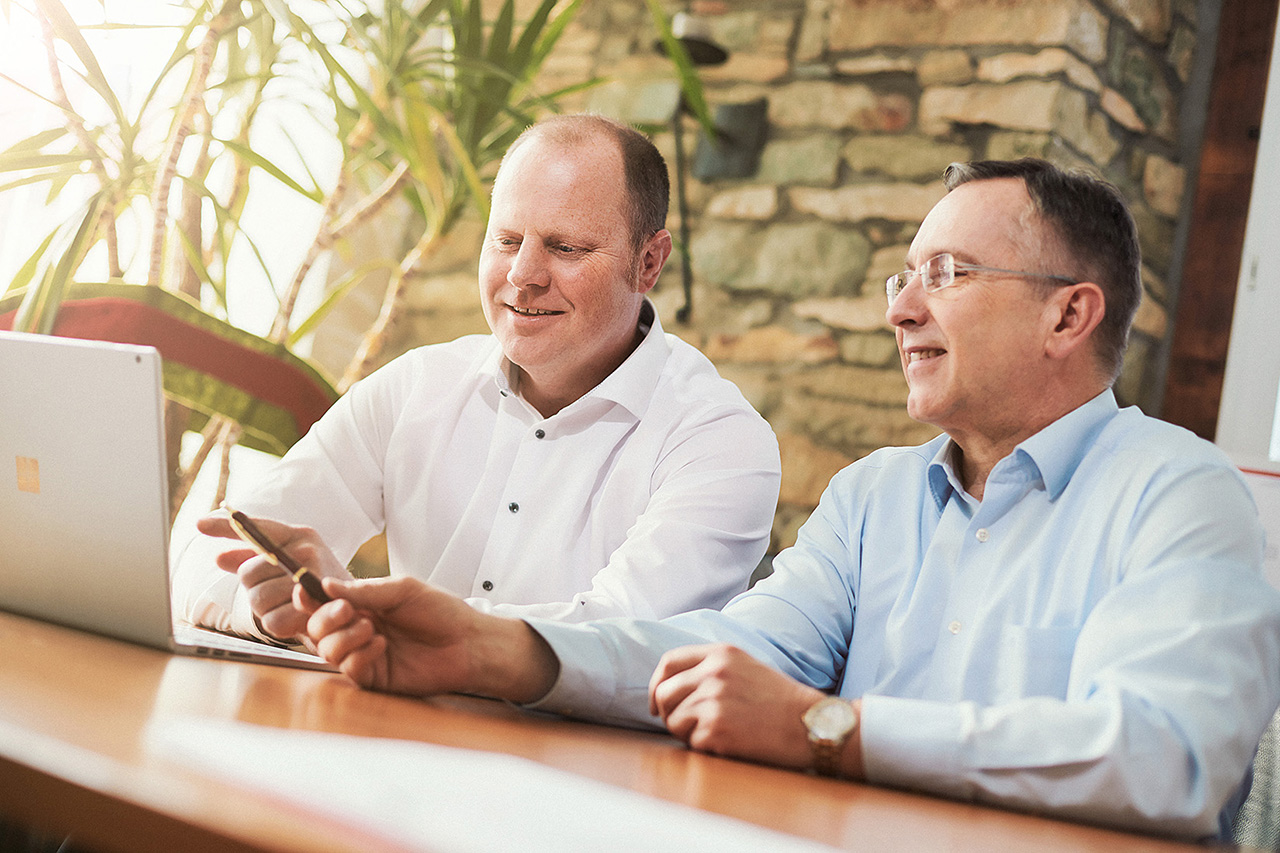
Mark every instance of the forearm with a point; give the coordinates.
(511, 661)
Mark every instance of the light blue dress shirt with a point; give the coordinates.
(1093, 638)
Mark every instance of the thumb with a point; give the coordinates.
(373, 594)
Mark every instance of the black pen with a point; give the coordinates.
(261, 542)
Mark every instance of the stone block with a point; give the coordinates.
(898, 201)
(770, 345)
(723, 252)
(1139, 76)
(1151, 318)
(636, 100)
(756, 384)
(1163, 184)
(944, 67)
(1132, 387)
(1092, 136)
(1118, 107)
(758, 203)
(1182, 51)
(905, 157)
(1155, 284)
(1020, 105)
(748, 67)
(858, 314)
(1151, 18)
(874, 386)
(810, 259)
(871, 24)
(1049, 62)
(811, 43)
(1155, 234)
(1010, 145)
(807, 468)
(877, 63)
(869, 350)
(884, 263)
(843, 106)
(811, 159)
(853, 427)
(787, 522)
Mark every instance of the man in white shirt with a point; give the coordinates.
(1057, 605)
(578, 463)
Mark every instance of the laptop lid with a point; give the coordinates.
(83, 486)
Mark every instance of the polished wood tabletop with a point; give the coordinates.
(74, 708)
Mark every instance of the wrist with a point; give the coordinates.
(832, 726)
(512, 661)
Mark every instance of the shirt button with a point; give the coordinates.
(513, 506)
(982, 534)
(954, 627)
(540, 433)
(487, 586)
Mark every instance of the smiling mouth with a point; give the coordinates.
(921, 355)
(533, 312)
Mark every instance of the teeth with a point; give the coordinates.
(531, 312)
(920, 355)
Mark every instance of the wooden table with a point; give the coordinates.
(73, 708)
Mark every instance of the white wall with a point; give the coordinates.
(1248, 422)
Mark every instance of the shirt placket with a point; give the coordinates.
(514, 503)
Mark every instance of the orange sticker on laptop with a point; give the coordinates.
(28, 475)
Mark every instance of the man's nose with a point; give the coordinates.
(529, 267)
(909, 306)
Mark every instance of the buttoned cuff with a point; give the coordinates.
(588, 683)
(913, 743)
(586, 680)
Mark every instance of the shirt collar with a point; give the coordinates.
(1055, 451)
(631, 385)
(1058, 449)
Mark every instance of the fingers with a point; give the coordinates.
(672, 682)
(347, 638)
(270, 596)
(216, 525)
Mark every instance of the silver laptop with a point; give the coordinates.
(84, 497)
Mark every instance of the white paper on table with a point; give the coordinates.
(447, 799)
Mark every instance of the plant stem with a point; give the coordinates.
(187, 111)
(375, 339)
(75, 124)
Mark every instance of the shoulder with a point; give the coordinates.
(437, 364)
(1135, 441)
(895, 472)
(691, 380)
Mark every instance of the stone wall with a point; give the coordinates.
(868, 101)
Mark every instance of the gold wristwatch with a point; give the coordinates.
(830, 721)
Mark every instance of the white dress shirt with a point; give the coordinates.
(651, 495)
(1093, 638)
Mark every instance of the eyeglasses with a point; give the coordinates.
(941, 271)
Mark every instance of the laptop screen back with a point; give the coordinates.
(84, 520)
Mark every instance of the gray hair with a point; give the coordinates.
(1092, 227)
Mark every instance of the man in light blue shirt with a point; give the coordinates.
(1056, 605)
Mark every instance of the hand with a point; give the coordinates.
(403, 636)
(719, 699)
(270, 590)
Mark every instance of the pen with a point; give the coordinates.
(261, 542)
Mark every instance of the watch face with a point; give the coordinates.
(830, 719)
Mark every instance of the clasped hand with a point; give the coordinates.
(719, 699)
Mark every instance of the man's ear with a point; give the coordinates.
(1077, 311)
(651, 258)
